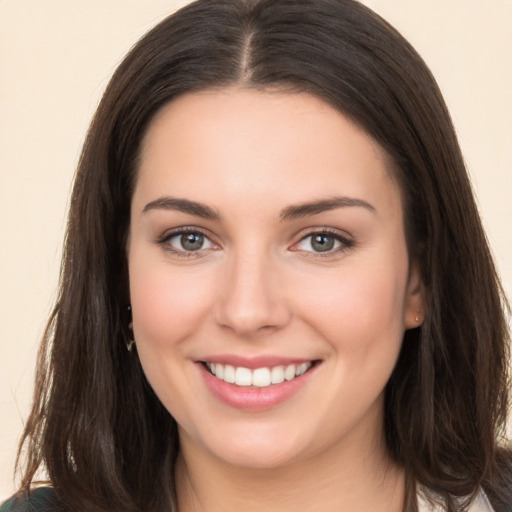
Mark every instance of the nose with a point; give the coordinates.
(252, 299)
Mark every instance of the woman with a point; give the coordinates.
(276, 290)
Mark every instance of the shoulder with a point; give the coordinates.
(42, 499)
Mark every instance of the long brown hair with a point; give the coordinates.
(96, 425)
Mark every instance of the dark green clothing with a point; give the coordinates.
(40, 500)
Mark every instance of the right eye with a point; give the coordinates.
(187, 242)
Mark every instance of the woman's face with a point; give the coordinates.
(267, 240)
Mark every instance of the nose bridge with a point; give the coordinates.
(252, 299)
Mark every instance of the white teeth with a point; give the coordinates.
(277, 375)
(243, 377)
(260, 377)
(289, 373)
(229, 374)
(302, 369)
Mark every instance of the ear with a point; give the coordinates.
(414, 311)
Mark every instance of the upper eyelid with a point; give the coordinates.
(346, 241)
(166, 245)
(337, 233)
(341, 235)
(170, 233)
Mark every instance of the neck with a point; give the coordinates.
(342, 478)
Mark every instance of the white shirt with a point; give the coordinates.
(479, 504)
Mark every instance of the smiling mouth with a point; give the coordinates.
(258, 377)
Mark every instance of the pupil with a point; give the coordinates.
(192, 241)
(322, 243)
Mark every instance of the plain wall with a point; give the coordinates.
(56, 57)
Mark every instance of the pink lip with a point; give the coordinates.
(253, 362)
(250, 398)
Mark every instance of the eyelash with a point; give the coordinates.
(165, 239)
(345, 243)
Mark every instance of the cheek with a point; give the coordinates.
(361, 309)
(166, 302)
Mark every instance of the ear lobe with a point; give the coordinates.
(414, 312)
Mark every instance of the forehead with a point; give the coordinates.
(252, 144)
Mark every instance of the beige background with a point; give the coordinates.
(55, 59)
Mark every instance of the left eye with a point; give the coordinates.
(189, 241)
(319, 242)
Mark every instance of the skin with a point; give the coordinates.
(259, 287)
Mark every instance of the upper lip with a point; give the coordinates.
(264, 361)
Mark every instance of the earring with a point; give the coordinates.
(417, 319)
(131, 342)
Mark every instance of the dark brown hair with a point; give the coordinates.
(96, 425)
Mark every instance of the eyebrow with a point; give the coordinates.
(289, 213)
(315, 207)
(183, 205)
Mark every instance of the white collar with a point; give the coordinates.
(479, 504)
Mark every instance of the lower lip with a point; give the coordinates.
(252, 398)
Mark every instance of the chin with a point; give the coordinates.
(254, 450)
(260, 457)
